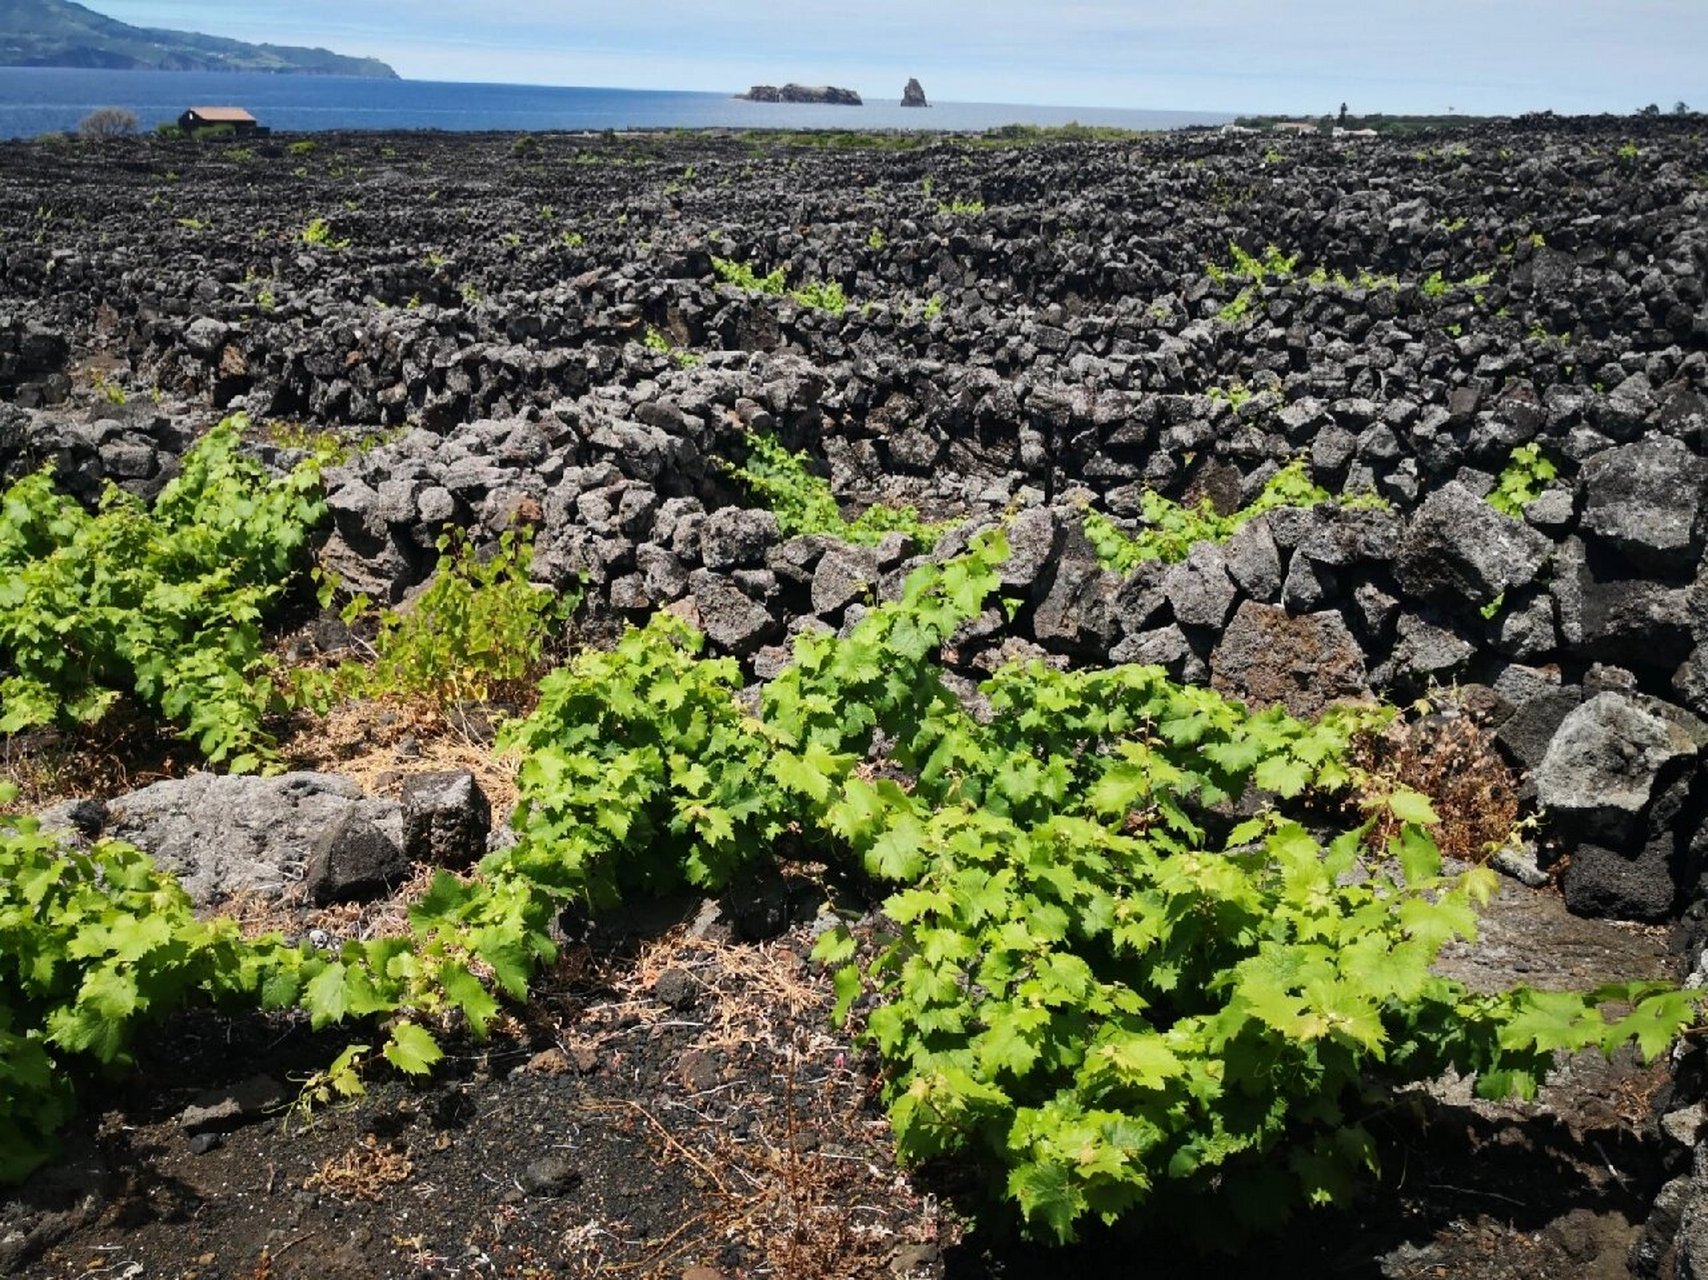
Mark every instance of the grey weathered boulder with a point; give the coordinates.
(628, 594)
(1375, 610)
(1646, 500)
(1691, 680)
(1078, 613)
(663, 576)
(1425, 652)
(1339, 536)
(446, 819)
(1302, 662)
(843, 575)
(1610, 760)
(1551, 510)
(1253, 561)
(1165, 647)
(1459, 550)
(729, 618)
(228, 1109)
(1525, 629)
(1528, 731)
(1661, 1226)
(1034, 537)
(1140, 601)
(205, 335)
(796, 559)
(737, 537)
(1199, 588)
(1309, 586)
(222, 835)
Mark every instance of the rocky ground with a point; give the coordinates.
(531, 330)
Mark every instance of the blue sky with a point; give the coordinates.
(1206, 55)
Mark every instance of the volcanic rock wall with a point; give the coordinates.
(1030, 331)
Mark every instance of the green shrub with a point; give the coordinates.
(1252, 268)
(1170, 530)
(165, 604)
(97, 946)
(478, 632)
(1100, 1006)
(642, 772)
(1235, 310)
(657, 340)
(1085, 997)
(1527, 473)
(742, 276)
(93, 946)
(822, 296)
(804, 504)
(318, 233)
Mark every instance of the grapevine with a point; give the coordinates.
(1125, 968)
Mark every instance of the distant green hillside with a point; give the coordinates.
(58, 33)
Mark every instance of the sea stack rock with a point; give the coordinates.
(826, 94)
(914, 95)
(823, 94)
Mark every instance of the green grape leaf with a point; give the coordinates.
(412, 1049)
(1548, 1020)
(1283, 775)
(1048, 1196)
(834, 947)
(1419, 858)
(848, 987)
(327, 996)
(1411, 806)
(465, 991)
(1656, 1022)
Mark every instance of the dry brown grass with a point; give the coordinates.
(1450, 757)
(380, 743)
(803, 1211)
(120, 754)
(365, 1172)
(388, 917)
(808, 1186)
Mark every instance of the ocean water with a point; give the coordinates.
(36, 100)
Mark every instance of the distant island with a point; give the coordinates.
(824, 94)
(59, 33)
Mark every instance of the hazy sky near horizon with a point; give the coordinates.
(1495, 56)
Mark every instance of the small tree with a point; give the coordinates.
(1650, 110)
(108, 122)
(1681, 108)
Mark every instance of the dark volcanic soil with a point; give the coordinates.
(530, 330)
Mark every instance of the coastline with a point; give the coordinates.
(42, 100)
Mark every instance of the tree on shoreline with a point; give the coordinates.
(108, 122)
